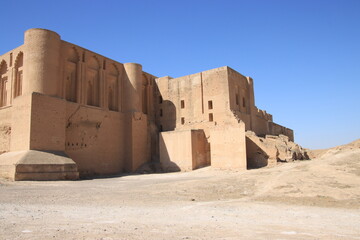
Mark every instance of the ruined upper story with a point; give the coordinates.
(48, 65)
(215, 97)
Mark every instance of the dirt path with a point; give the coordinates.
(317, 199)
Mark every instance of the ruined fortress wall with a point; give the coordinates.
(91, 79)
(57, 96)
(228, 147)
(216, 96)
(96, 139)
(196, 100)
(47, 123)
(103, 137)
(240, 95)
(200, 101)
(242, 103)
(176, 151)
(67, 98)
(276, 129)
(184, 150)
(21, 123)
(260, 124)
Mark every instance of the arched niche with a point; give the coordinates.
(93, 82)
(93, 63)
(3, 83)
(145, 90)
(18, 74)
(72, 55)
(112, 80)
(71, 74)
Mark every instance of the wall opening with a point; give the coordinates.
(3, 92)
(210, 105)
(18, 75)
(89, 94)
(145, 99)
(244, 104)
(71, 75)
(182, 103)
(3, 83)
(160, 99)
(112, 76)
(111, 101)
(182, 121)
(211, 117)
(161, 112)
(237, 99)
(93, 77)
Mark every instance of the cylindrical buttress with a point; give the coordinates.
(133, 87)
(41, 62)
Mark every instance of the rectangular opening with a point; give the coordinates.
(160, 99)
(11, 59)
(210, 105)
(182, 103)
(211, 117)
(182, 121)
(160, 128)
(161, 112)
(237, 99)
(244, 104)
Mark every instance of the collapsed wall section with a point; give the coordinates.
(268, 150)
(241, 96)
(242, 104)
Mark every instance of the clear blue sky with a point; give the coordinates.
(304, 55)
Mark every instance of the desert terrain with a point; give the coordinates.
(312, 199)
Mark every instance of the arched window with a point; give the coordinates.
(111, 99)
(144, 94)
(3, 83)
(71, 79)
(18, 75)
(89, 94)
(93, 80)
(113, 87)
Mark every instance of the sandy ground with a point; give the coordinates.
(317, 199)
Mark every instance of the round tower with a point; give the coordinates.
(133, 87)
(41, 61)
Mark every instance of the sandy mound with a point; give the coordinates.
(330, 181)
(320, 152)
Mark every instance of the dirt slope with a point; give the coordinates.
(312, 199)
(319, 152)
